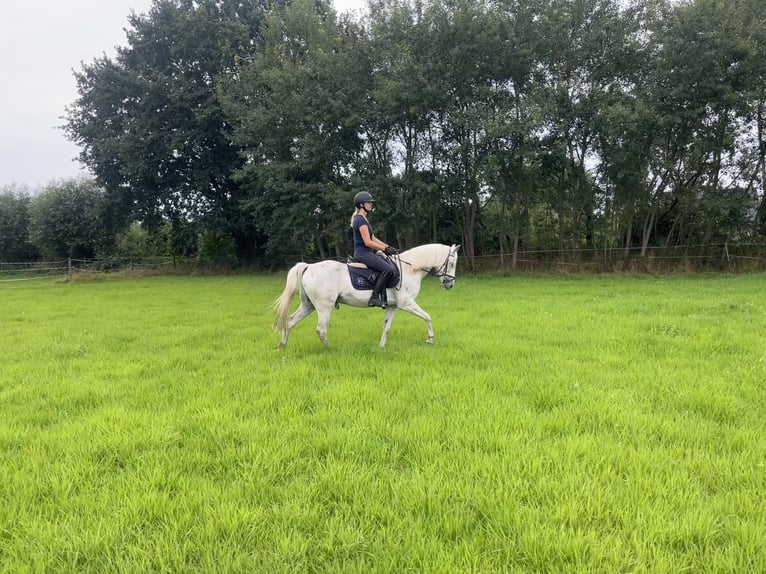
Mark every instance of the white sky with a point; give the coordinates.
(41, 43)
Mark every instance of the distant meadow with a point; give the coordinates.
(572, 424)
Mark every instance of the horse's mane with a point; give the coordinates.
(426, 256)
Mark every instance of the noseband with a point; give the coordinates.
(442, 269)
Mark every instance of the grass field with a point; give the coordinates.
(559, 424)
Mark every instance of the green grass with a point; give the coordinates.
(559, 424)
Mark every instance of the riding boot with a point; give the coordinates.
(378, 298)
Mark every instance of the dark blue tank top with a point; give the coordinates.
(359, 246)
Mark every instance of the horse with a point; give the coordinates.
(327, 284)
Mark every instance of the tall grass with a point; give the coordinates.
(559, 424)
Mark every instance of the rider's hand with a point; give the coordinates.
(391, 250)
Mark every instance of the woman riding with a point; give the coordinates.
(366, 245)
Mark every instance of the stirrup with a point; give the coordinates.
(376, 301)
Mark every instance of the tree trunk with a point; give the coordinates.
(501, 234)
(470, 210)
(647, 231)
(628, 234)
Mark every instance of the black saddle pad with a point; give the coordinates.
(363, 278)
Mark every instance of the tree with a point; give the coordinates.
(297, 110)
(15, 245)
(150, 121)
(511, 169)
(502, 124)
(400, 122)
(695, 91)
(67, 220)
(462, 57)
(751, 15)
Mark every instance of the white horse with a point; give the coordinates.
(326, 284)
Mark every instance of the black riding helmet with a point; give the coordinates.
(361, 198)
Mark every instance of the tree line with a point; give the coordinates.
(243, 129)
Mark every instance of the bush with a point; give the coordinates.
(217, 249)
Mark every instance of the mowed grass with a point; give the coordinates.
(559, 424)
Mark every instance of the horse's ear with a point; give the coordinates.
(456, 248)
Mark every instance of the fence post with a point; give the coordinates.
(69, 267)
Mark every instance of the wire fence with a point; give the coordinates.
(743, 257)
(27, 271)
(730, 257)
(727, 257)
(119, 264)
(11, 272)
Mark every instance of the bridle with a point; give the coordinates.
(441, 271)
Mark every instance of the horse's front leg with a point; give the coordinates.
(415, 309)
(390, 312)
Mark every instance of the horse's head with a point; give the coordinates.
(447, 270)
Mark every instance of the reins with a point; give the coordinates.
(394, 259)
(441, 271)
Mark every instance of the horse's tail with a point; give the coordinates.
(282, 304)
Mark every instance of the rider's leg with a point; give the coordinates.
(376, 300)
(386, 271)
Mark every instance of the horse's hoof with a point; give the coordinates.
(430, 341)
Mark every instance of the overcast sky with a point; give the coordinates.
(41, 43)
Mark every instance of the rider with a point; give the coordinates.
(366, 245)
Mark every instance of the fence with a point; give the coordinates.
(119, 264)
(38, 270)
(744, 257)
(10, 272)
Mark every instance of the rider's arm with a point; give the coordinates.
(371, 241)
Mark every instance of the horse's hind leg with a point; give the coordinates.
(303, 311)
(323, 321)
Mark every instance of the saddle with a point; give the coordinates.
(363, 278)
